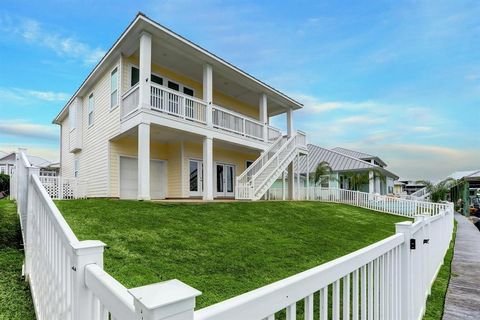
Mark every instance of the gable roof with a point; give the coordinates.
(339, 162)
(142, 22)
(34, 160)
(359, 155)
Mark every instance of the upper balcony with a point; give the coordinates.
(168, 77)
(171, 103)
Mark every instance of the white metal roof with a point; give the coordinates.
(359, 155)
(339, 162)
(462, 174)
(34, 160)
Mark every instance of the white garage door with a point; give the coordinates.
(129, 178)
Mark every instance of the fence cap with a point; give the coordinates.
(88, 247)
(162, 294)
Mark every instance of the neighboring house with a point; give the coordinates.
(343, 163)
(411, 186)
(398, 187)
(160, 117)
(7, 164)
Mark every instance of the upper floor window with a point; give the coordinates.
(113, 88)
(91, 106)
(135, 75)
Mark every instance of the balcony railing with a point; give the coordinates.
(172, 102)
(130, 100)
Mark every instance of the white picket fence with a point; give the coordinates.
(389, 279)
(382, 203)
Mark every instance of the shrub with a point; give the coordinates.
(4, 183)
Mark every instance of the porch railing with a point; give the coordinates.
(237, 123)
(183, 106)
(190, 108)
(130, 101)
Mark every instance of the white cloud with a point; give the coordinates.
(361, 120)
(19, 94)
(48, 152)
(422, 129)
(31, 31)
(23, 129)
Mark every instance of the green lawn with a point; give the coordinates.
(15, 299)
(222, 249)
(436, 300)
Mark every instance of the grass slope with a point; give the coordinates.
(436, 300)
(222, 249)
(15, 299)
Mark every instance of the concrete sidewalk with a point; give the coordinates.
(463, 295)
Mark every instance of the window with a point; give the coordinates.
(113, 88)
(174, 86)
(188, 91)
(134, 76)
(324, 182)
(91, 103)
(76, 166)
(2, 169)
(156, 79)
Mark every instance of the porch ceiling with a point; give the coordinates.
(161, 134)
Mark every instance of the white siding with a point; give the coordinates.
(94, 156)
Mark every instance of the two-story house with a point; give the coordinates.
(160, 117)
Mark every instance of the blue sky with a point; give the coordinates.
(400, 79)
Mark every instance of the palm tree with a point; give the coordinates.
(323, 169)
(438, 191)
(357, 179)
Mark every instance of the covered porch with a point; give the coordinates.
(152, 162)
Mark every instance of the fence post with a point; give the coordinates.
(84, 253)
(31, 171)
(168, 300)
(405, 300)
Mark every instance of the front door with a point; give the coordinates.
(224, 180)
(196, 178)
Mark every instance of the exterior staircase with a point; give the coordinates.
(420, 194)
(254, 182)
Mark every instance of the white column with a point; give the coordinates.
(290, 122)
(145, 69)
(208, 91)
(290, 180)
(308, 178)
(377, 185)
(168, 300)
(207, 168)
(183, 193)
(264, 115)
(298, 197)
(371, 182)
(143, 161)
(283, 186)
